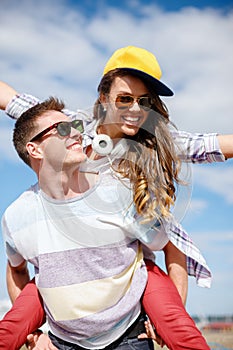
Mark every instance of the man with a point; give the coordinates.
(48, 142)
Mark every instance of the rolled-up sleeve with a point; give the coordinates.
(198, 148)
(19, 104)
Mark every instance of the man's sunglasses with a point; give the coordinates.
(126, 101)
(63, 128)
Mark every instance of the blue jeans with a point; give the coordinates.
(123, 343)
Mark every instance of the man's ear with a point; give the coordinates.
(34, 150)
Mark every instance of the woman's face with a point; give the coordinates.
(124, 114)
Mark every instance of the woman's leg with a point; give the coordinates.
(164, 306)
(25, 316)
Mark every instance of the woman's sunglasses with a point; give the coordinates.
(63, 128)
(126, 101)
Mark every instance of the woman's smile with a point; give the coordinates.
(132, 120)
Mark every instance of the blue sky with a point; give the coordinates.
(60, 48)
(90, 8)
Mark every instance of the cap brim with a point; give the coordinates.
(160, 88)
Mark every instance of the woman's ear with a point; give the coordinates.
(103, 101)
(34, 150)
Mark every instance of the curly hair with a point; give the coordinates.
(150, 163)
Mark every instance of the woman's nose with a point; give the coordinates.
(134, 107)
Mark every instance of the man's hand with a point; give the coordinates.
(177, 269)
(151, 333)
(39, 341)
(17, 278)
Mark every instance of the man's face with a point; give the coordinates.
(59, 152)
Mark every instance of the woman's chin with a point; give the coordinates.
(131, 130)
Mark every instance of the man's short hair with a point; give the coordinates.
(26, 125)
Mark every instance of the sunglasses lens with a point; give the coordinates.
(124, 101)
(78, 125)
(145, 102)
(64, 128)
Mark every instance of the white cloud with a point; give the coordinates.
(194, 48)
(215, 236)
(64, 52)
(216, 246)
(6, 146)
(197, 206)
(216, 180)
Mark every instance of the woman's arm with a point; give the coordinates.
(203, 148)
(198, 148)
(6, 94)
(226, 145)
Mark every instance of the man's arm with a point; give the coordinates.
(17, 278)
(177, 269)
(42, 342)
(157, 238)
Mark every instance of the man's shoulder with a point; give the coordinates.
(24, 203)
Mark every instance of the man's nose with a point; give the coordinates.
(75, 133)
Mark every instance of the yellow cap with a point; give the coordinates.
(141, 61)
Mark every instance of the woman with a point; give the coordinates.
(129, 107)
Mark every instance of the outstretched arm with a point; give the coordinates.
(226, 145)
(203, 148)
(198, 147)
(6, 94)
(15, 103)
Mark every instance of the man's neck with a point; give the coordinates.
(63, 185)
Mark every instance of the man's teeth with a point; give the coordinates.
(75, 146)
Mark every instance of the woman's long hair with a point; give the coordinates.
(150, 163)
